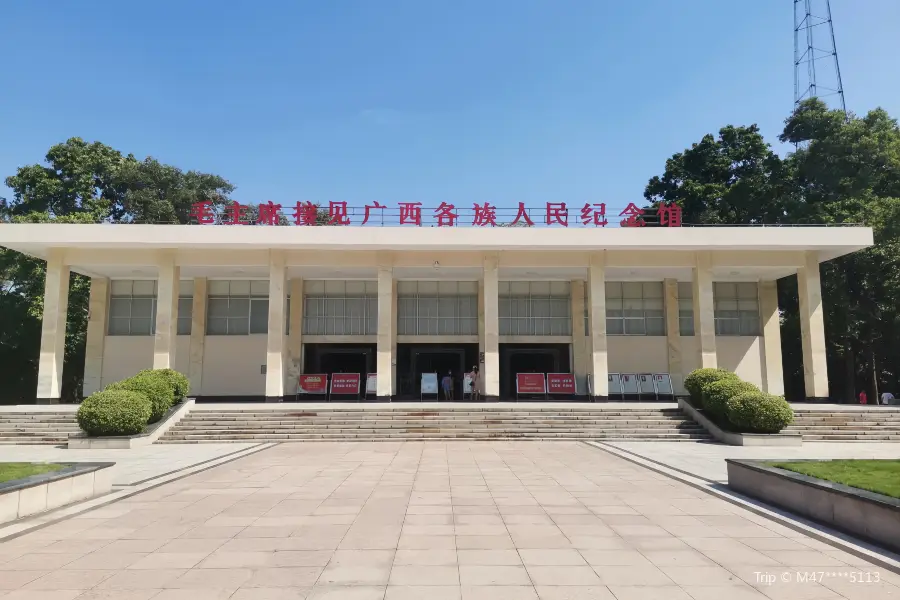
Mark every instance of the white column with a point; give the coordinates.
(773, 375)
(704, 311)
(481, 336)
(580, 352)
(166, 314)
(385, 339)
(812, 329)
(597, 322)
(673, 335)
(53, 329)
(275, 345)
(96, 335)
(491, 285)
(198, 336)
(295, 336)
(394, 339)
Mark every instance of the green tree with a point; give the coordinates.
(84, 183)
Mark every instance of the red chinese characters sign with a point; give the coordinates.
(313, 384)
(345, 383)
(553, 214)
(560, 383)
(530, 383)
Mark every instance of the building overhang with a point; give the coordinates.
(229, 251)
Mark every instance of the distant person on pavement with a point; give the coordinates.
(447, 386)
(474, 377)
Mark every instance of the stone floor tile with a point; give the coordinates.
(194, 594)
(226, 579)
(169, 560)
(551, 557)
(141, 579)
(432, 592)
(696, 576)
(804, 558)
(421, 575)
(475, 575)
(484, 542)
(128, 546)
(35, 562)
(43, 594)
(649, 592)
(677, 558)
(119, 594)
(573, 592)
(350, 574)
(502, 557)
(283, 577)
(631, 575)
(347, 593)
(105, 561)
(729, 592)
(623, 558)
(70, 580)
(562, 575)
(271, 594)
(425, 557)
(499, 592)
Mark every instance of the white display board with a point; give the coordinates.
(615, 384)
(429, 383)
(663, 384)
(371, 383)
(646, 385)
(629, 383)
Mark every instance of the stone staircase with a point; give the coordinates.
(847, 425)
(44, 427)
(592, 422)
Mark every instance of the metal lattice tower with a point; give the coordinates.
(814, 47)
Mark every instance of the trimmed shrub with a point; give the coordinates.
(178, 382)
(699, 378)
(114, 412)
(155, 387)
(717, 394)
(755, 412)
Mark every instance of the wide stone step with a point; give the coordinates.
(424, 436)
(435, 422)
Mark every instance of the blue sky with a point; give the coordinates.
(410, 100)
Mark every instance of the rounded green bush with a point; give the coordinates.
(718, 393)
(155, 387)
(755, 412)
(699, 378)
(114, 412)
(179, 382)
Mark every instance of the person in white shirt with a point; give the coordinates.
(887, 398)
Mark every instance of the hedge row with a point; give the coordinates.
(126, 407)
(736, 404)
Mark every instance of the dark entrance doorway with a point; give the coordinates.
(415, 359)
(529, 358)
(340, 358)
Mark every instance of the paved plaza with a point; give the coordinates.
(428, 521)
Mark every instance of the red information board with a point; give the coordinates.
(345, 383)
(560, 383)
(312, 384)
(530, 383)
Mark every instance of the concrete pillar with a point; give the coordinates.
(704, 311)
(275, 346)
(53, 329)
(673, 335)
(98, 309)
(198, 335)
(581, 358)
(394, 339)
(491, 293)
(385, 340)
(295, 336)
(773, 375)
(481, 336)
(599, 367)
(812, 329)
(166, 314)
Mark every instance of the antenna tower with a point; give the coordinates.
(813, 44)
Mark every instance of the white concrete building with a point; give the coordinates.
(244, 310)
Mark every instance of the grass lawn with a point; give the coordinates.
(10, 471)
(880, 476)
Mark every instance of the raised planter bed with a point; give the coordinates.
(860, 513)
(153, 432)
(732, 438)
(39, 493)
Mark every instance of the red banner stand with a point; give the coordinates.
(561, 384)
(531, 384)
(312, 385)
(344, 384)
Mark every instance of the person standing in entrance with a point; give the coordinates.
(447, 386)
(863, 399)
(887, 398)
(473, 376)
